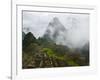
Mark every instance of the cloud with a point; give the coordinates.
(77, 25)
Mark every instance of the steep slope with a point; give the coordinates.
(55, 31)
(28, 39)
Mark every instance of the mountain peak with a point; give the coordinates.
(54, 30)
(55, 19)
(56, 24)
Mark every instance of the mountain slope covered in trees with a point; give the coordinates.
(45, 53)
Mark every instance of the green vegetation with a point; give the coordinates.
(44, 53)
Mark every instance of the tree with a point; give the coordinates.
(28, 39)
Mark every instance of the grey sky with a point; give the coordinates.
(77, 24)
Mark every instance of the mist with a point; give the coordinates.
(75, 35)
